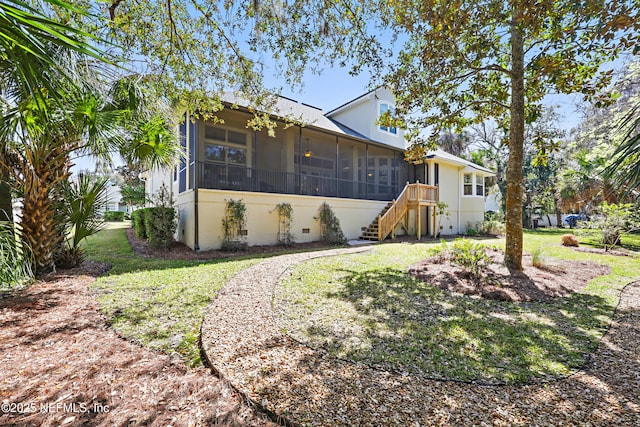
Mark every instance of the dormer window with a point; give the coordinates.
(385, 106)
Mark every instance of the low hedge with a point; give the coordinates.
(116, 216)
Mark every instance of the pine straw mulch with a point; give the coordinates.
(306, 386)
(63, 365)
(179, 251)
(552, 280)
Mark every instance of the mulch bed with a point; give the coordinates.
(179, 251)
(63, 365)
(497, 282)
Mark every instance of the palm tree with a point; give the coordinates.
(624, 171)
(29, 46)
(89, 117)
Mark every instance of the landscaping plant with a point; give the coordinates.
(285, 216)
(80, 212)
(160, 220)
(115, 216)
(330, 230)
(233, 225)
(470, 256)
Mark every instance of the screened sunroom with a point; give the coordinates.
(303, 160)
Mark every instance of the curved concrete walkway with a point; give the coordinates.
(241, 340)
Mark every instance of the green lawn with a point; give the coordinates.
(364, 307)
(158, 303)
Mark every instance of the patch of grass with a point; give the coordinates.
(365, 307)
(158, 303)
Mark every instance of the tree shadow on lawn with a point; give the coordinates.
(407, 325)
(606, 394)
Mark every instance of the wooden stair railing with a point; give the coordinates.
(413, 195)
(397, 211)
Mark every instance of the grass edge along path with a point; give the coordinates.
(365, 308)
(157, 303)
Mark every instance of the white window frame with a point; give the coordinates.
(476, 179)
(387, 130)
(470, 184)
(479, 181)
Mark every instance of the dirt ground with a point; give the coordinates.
(63, 365)
(552, 280)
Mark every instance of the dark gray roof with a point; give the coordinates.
(308, 115)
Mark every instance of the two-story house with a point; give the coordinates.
(342, 157)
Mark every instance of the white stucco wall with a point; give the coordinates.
(362, 114)
(186, 225)
(262, 220)
(154, 179)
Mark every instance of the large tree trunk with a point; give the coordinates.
(556, 205)
(42, 170)
(513, 249)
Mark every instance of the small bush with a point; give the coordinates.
(115, 216)
(440, 253)
(538, 258)
(471, 232)
(160, 224)
(469, 255)
(492, 227)
(614, 221)
(569, 240)
(330, 231)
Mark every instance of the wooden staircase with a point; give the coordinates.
(371, 232)
(413, 196)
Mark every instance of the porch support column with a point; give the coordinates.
(435, 212)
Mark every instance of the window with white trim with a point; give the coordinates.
(479, 185)
(383, 107)
(467, 183)
(472, 184)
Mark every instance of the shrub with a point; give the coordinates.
(137, 218)
(492, 227)
(115, 216)
(16, 259)
(471, 232)
(614, 221)
(538, 258)
(80, 211)
(160, 221)
(160, 224)
(469, 255)
(233, 224)
(330, 231)
(569, 240)
(440, 253)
